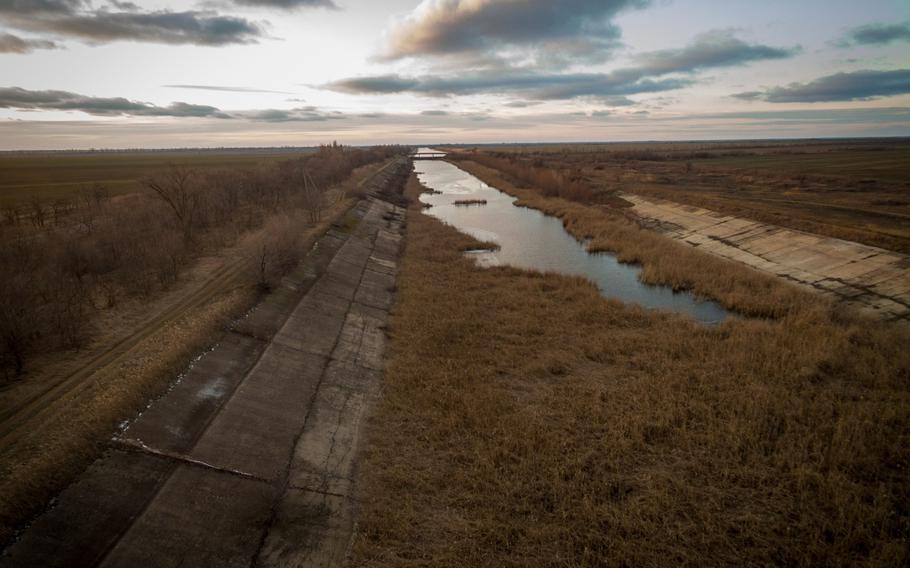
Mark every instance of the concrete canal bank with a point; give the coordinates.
(248, 460)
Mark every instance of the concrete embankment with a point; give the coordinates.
(248, 459)
(874, 280)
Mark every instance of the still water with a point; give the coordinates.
(529, 239)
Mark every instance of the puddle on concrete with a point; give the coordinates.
(529, 239)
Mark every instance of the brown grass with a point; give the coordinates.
(663, 261)
(527, 421)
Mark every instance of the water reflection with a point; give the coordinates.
(530, 239)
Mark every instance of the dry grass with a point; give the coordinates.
(663, 261)
(527, 421)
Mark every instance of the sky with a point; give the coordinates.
(77, 74)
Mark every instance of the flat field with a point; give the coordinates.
(856, 190)
(52, 176)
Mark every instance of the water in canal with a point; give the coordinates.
(529, 239)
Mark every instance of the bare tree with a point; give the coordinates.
(176, 188)
(38, 212)
(314, 199)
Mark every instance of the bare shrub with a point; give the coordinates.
(277, 250)
(177, 188)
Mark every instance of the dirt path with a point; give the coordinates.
(248, 459)
(871, 279)
(17, 416)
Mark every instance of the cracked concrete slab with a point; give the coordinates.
(868, 278)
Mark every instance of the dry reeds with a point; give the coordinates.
(663, 261)
(527, 421)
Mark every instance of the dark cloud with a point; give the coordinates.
(42, 6)
(857, 85)
(127, 6)
(18, 98)
(24, 99)
(718, 48)
(715, 49)
(229, 89)
(288, 4)
(521, 104)
(15, 44)
(530, 84)
(618, 101)
(876, 34)
(78, 19)
(835, 115)
(554, 33)
(302, 114)
(434, 113)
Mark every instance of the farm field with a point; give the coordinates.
(50, 176)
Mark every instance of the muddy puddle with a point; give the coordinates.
(529, 239)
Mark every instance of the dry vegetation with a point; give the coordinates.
(64, 424)
(528, 421)
(61, 266)
(855, 190)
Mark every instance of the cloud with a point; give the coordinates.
(434, 113)
(834, 115)
(288, 4)
(23, 99)
(521, 104)
(77, 19)
(617, 101)
(711, 50)
(303, 114)
(875, 34)
(230, 89)
(717, 48)
(491, 31)
(529, 84)
(15, 44)
(853, 86)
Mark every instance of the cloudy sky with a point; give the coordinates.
(117, 74)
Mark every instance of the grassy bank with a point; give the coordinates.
(528, 421)
(663, 261)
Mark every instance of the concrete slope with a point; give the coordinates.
(874, 280)
(248, 460)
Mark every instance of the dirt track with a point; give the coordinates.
(17, 417)
(248, 459)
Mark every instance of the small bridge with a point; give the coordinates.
(428, 155)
